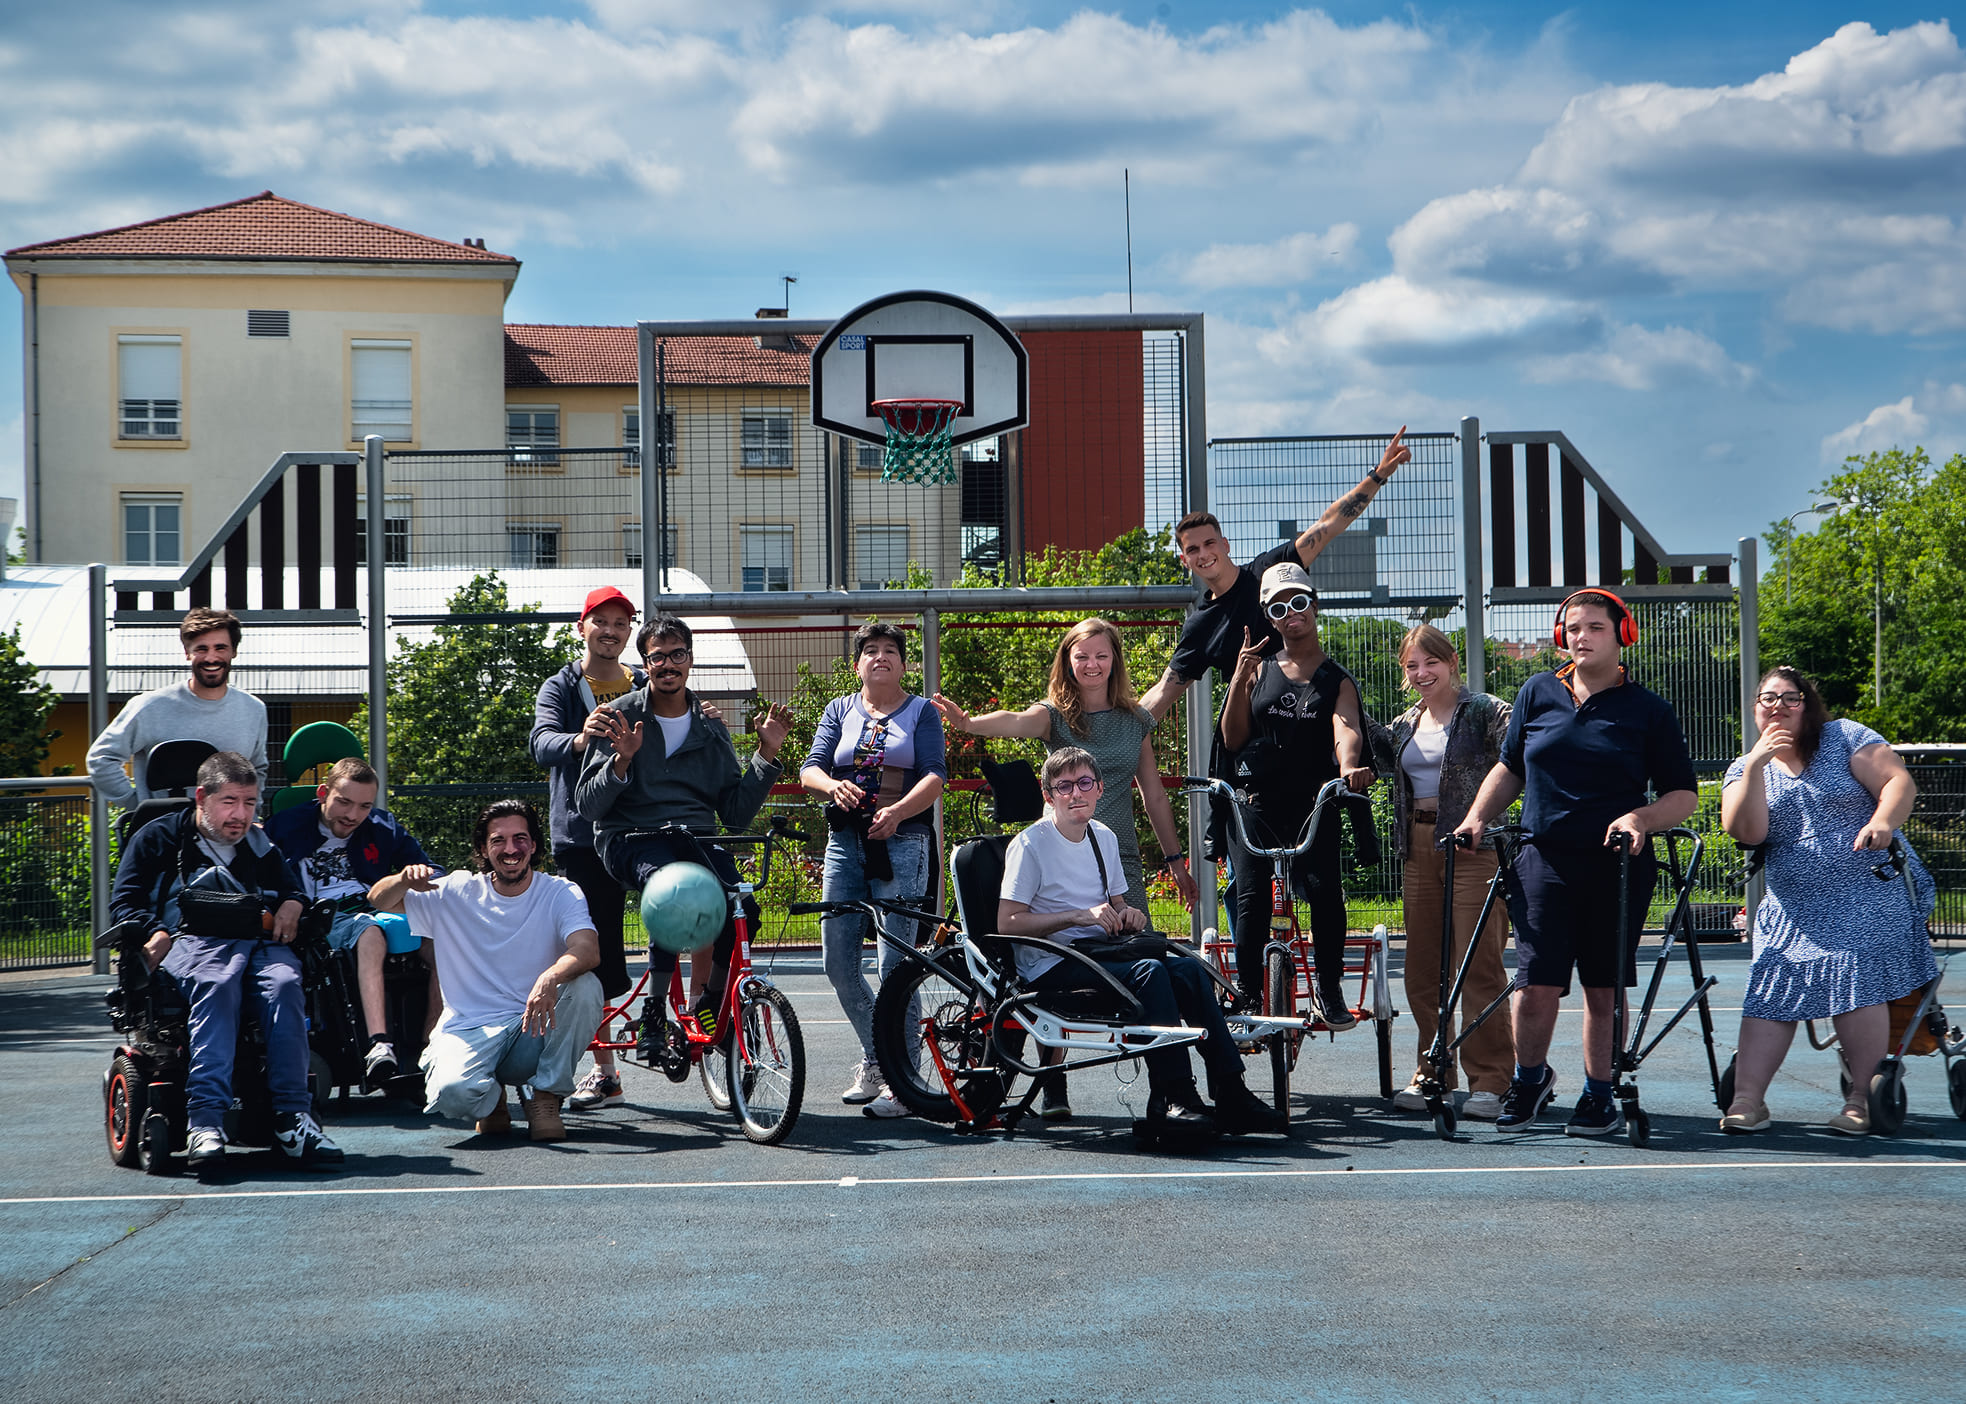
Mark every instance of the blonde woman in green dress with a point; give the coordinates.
(1089, 702)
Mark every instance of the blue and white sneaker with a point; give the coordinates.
(1523, 1100)
(301, 1137)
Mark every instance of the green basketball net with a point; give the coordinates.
(920, 448)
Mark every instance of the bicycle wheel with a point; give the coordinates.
(766, 1066)
(1279, 989)
(714, 1068)
(917, 1016)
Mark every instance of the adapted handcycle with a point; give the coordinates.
(1289, 967)
(751, 1056)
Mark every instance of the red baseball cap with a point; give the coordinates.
(607, 594)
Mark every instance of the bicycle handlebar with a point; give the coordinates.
(1334, 789)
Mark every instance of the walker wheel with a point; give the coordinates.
(1444, 1121)
(1887, 1098)
(1638, 1128)
(1956, 1086)
(1723, 1092)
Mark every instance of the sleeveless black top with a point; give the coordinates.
(1291, 749)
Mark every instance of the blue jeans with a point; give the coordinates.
(466, 1069)
(214, 977)
(846, 880)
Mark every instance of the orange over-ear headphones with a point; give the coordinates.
(1627, 627)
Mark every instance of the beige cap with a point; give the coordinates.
(1286, 578)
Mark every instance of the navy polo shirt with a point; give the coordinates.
(1583, 766)
(1211, 637)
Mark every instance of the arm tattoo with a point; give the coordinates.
(1353, 505)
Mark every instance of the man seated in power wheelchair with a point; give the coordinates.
(341, 845)
(204, 899)
(1062, 882)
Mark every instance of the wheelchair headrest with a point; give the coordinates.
(171, 768)
(977, 868)
(1019, 798)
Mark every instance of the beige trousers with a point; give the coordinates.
(1488, 1057)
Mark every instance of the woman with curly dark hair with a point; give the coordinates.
(1823, 798)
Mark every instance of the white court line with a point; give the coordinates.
(1080, 1177)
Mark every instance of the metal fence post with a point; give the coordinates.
(646, 411)
(98, 720)
(1201, 736)
(932, 684)
(372, 461)
(1747, 549)
(1474, 651)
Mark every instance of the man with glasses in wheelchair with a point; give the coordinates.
(223, 909)
(1063, 882)
(655, 760)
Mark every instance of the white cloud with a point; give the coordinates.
(1394, 320)
(1638, 358)
(1295, 258)
(1888, 426)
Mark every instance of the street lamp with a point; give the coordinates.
(1826, 509)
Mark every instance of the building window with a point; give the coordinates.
(153, 531)
(531, 432)
(268, 324)
(631, 434)
(381, 400)
(767, 440)
(765, 555)
(395, 531)
(880, 556)
(631, 545)
(533, 543)
(866, 457)
(150, 387)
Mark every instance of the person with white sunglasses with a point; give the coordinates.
(1293, 722)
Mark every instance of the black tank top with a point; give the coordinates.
(1291, 748)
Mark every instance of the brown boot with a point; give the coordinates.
(499, 1123)
(543, 1117)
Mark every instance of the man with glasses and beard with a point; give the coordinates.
(204, 707)
(652, 759)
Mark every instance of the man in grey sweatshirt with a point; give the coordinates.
(201, 708)
(654, 759)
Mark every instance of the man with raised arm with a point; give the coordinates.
(1062, 881)
(341, 845)
(515, 954)
(203, 882)
(204, 707)
(655, 759)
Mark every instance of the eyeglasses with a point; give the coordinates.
(678, 656)
(1779, 699)
(1283, 609)
(1085, 785)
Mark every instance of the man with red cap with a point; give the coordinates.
(563, 723)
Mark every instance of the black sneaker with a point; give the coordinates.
(1597, 1114)
(1524, 1100)
(1238, 1112)
(301, 1137)
(1182, 1111)
(651, 1030)
(1333, 1009)
(379, 1066)
(1053, 1105)
(706, 1010)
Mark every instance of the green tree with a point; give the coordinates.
(1892, 562)
(25, 702)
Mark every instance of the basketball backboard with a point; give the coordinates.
(920, 345)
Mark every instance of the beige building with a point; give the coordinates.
(168, 363)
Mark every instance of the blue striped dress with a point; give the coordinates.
(1830, 937)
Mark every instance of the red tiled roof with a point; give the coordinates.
(536, 355)
(264, 226)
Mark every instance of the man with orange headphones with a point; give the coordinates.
(1584, 746)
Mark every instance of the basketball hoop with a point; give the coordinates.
(920, 448)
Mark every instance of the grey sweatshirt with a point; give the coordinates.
(234, 722)
(702, 783)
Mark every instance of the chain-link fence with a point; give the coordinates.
(45, 878)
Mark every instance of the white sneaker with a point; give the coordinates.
(1481, 1106)
(1410, 1098)
(867, 1085)
(885, 1105)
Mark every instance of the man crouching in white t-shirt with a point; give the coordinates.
(515, 952)
(1053, 888)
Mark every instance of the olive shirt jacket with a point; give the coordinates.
(1474, 744)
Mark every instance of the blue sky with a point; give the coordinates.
(1720, 246)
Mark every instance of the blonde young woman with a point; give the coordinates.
(1089, 703)
(1446, 744)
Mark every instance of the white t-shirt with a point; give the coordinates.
(1422, 756)
(490, 949)
(675, 730)
(324, 872)
(1049, 873)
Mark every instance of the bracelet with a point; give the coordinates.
(1168, 860)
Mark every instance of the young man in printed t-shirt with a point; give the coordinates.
(515, 954)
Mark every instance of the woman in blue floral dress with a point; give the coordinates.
(1831, 941)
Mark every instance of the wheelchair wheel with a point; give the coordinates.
(1956, 1088)
(123, 1096)
(1383, 1028)
(918, 1017)
(158, 1136)
(320, 1083)
(1279, 995)
(766, 1066)
(1887, 1098)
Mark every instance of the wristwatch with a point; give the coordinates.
(1373, 473)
